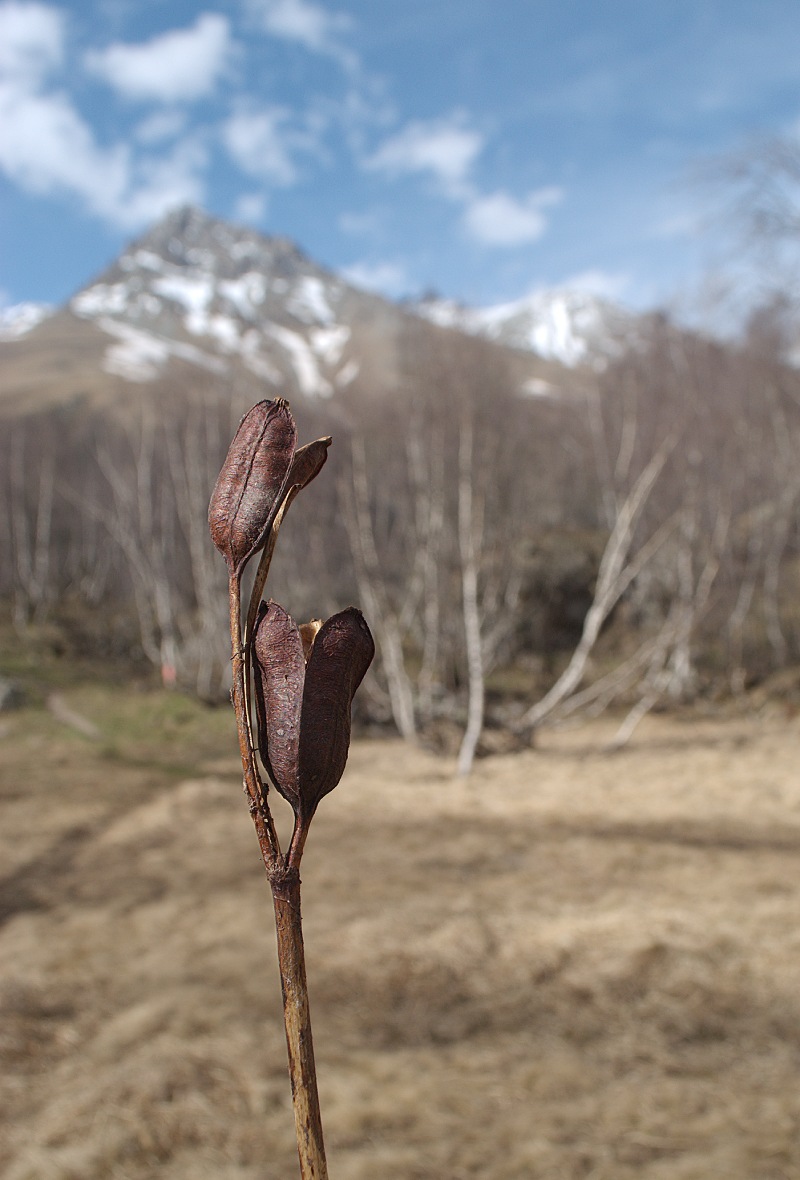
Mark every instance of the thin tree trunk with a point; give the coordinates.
(385, 623)
(469, 597)
(617, 571)
(772, 572)
(43, 535)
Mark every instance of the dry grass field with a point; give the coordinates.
(575, 965)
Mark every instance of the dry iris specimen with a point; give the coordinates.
(249, 489)
(303, 705)
(305, 680)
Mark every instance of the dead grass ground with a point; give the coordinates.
(576, 965)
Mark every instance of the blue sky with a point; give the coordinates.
(483, 148)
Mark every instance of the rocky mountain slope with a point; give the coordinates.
(206, 292)
(571, 327)
(198, 298)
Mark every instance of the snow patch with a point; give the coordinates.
(570, 326)
(18, 319)
(220, 328)
(255, 360)
(148, 260)
(225, 331)
(102, 299)
(347, 374)
(445, 313)
(200, 257)
(551, 330)
(246, 293)
(559, 325)
(304, 363)
(194, 294)
(140, 356)
(309, 302)
(328, 343)
(245, 249)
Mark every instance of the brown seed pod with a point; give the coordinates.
(279, 671)
(249, 488)
(304, 709)
(343, 650)
(308, 461)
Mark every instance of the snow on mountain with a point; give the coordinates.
(196, 290)
(569, 326)
(18, 319)
(208, 292)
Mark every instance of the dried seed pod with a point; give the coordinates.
(343, 650)
(249, 488)
(308, 461)
(279, 671)
(304, 708)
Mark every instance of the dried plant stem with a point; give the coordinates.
(285, 883)
(252, 609)
(297, 1020)
(259, 810)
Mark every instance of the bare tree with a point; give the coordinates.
(469, 530)
(137, 518)
(619, 566)
(194, 444)
(376, 595)
(31, 495)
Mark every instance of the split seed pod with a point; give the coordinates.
(260, 470)
(307, 463)
(303, 703)
(248, 490)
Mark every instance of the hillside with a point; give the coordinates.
(462, 458)
(198, 299)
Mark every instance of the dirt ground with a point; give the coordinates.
(576, 964)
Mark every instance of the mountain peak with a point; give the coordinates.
(189, 235)
(197, 288)
(199, 291)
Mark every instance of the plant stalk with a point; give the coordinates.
(254, 787)
(297, 1020)
(285, 884)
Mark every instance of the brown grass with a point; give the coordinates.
(577, 965)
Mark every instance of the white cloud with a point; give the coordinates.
(360, 224)
(444, 148)
(447, 149)
(251, 207)
(158, 184)
(46, 146)
(308, 24)
(259, 144)
(602, 283)
(501, 220)
(49, 149)
(684, 224)
(384, 277)
(31, 41)
(179, 65)
(160, 125)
